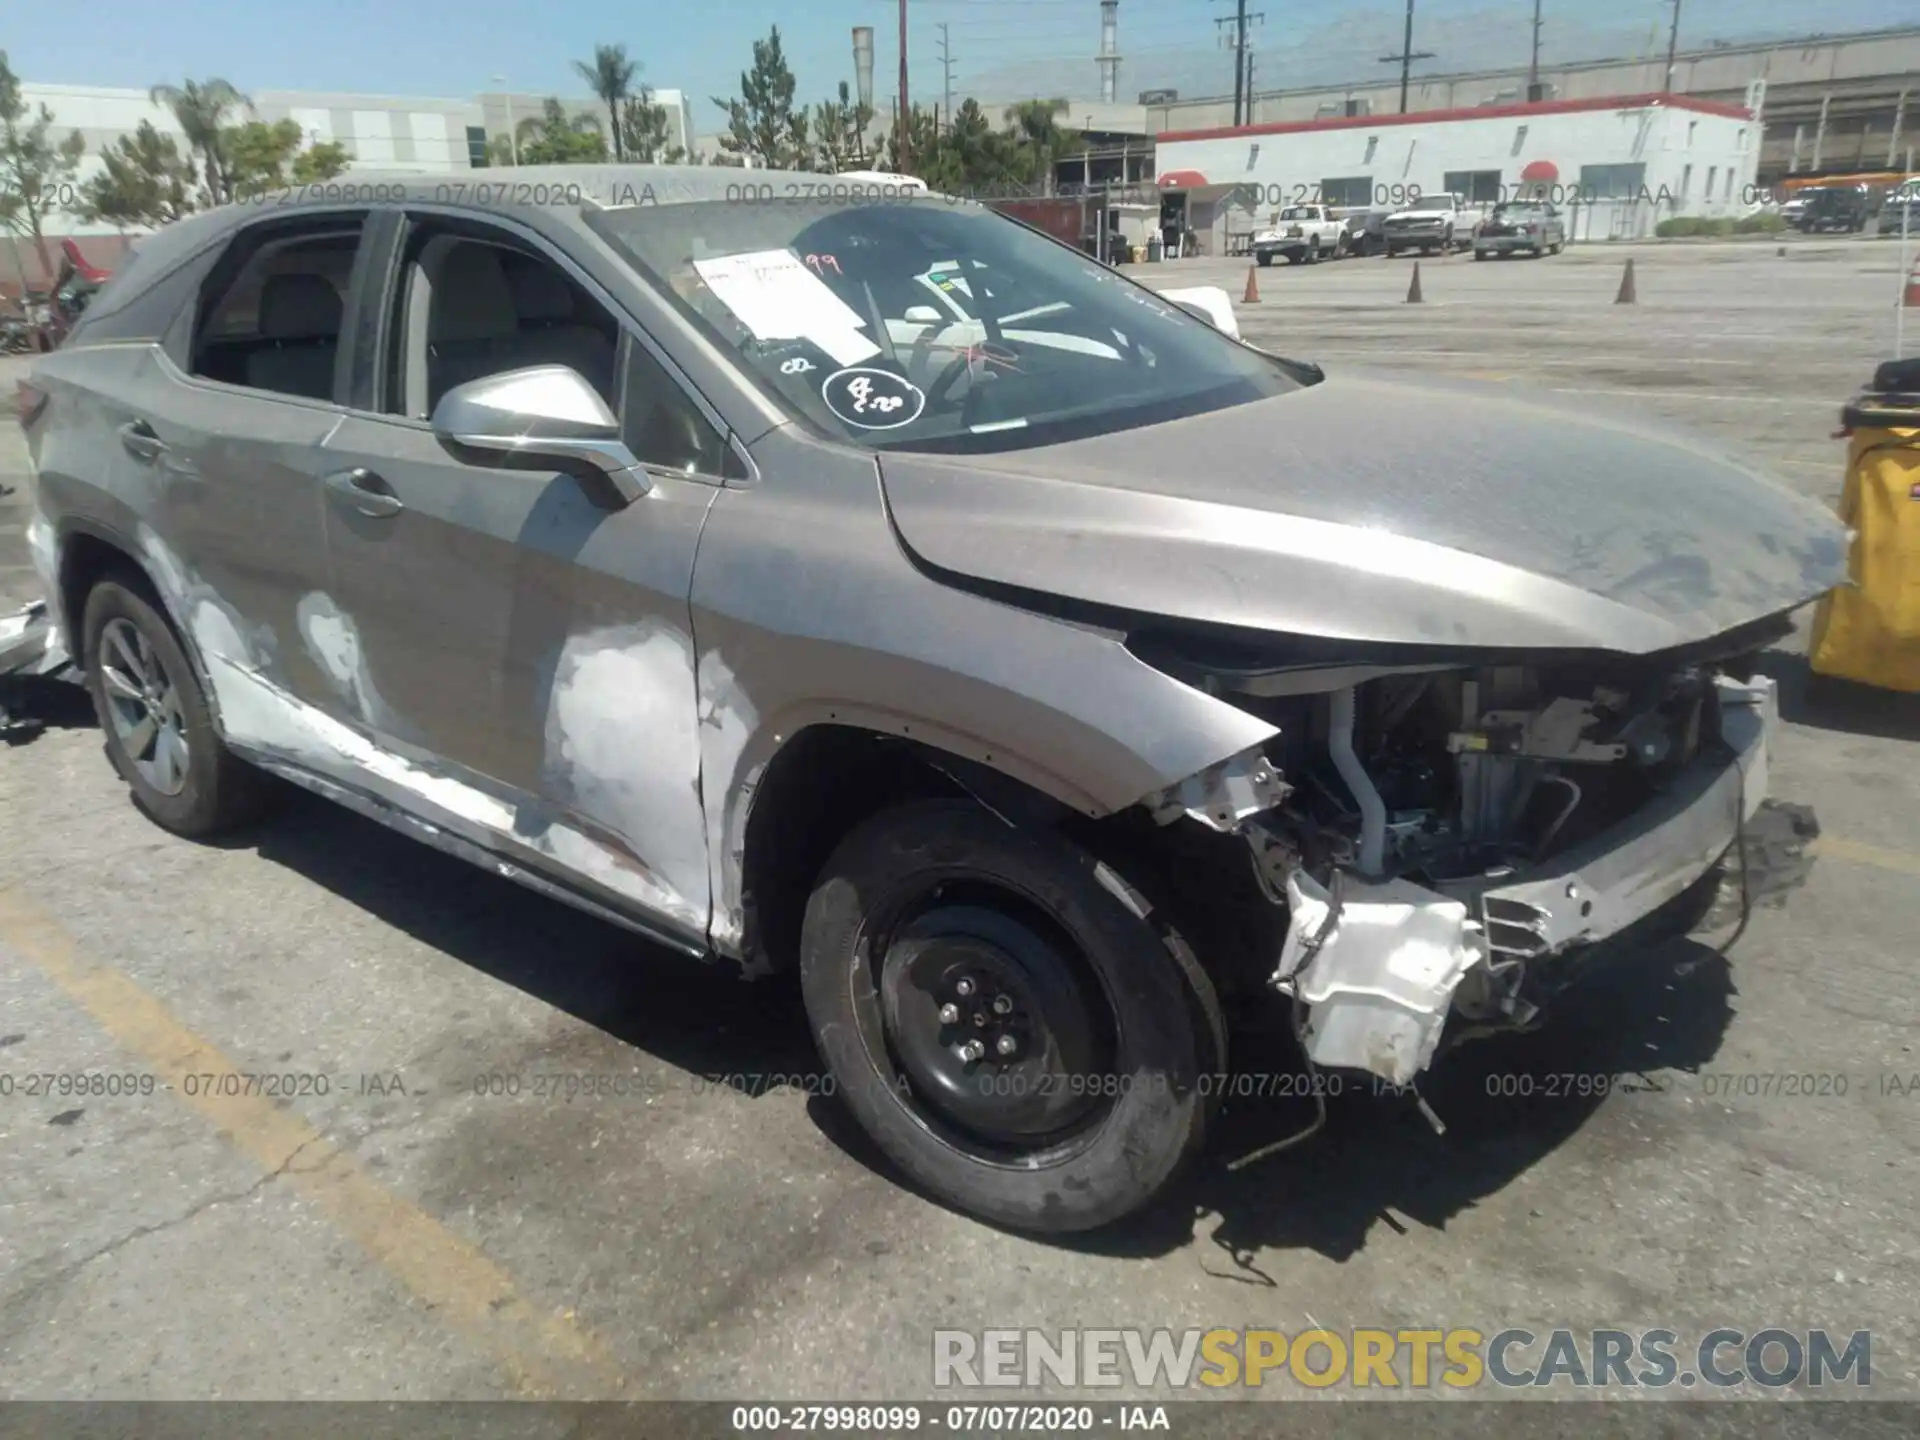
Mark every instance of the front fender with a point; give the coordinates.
(808, 611)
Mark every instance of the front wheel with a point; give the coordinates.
(1265, 257)
(1005, 1019)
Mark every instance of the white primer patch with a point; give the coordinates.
(623, 751)
(43, 548)
(727, 722)
(334, 642)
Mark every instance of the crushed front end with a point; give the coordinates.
(1450, 841)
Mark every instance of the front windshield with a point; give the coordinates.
(1296, 212)
(933, 324)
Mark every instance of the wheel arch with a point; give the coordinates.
(823, 779)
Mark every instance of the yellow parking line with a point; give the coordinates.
(1898, 861)
(547, 1353)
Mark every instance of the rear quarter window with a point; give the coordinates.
(159, 281)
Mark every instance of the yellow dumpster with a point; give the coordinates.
(1869, 631)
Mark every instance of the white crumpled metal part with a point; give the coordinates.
(1379, 988)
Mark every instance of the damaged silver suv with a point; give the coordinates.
(810, 575)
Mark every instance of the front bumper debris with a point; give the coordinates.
(28, 645)
(1377, 963)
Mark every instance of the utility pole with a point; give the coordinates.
(906, 112)
(1533, 65)
(1673, 45)
(1237, 42)
(946, 72)
(1406, 57)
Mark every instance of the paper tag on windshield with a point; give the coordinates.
(778, 298)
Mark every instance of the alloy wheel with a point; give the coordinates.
(143, 704)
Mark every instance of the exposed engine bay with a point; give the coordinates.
(1443, 837)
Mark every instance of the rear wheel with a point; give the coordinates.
(158, 727)
(1265, 257)
(1313, 251)
(1003, 1015)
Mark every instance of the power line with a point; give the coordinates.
(1237, 42)
(946, 70)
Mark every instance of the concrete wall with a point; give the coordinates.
(1692, 164)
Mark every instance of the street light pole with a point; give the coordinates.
(513, 139)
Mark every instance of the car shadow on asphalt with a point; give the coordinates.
(1507, 1102)
(1824, 703)
(33, 705)
(700, 1018)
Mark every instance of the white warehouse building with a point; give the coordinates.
(378, 132)
(1615, 167)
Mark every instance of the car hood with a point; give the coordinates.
(1421, 215)
(1380, 511)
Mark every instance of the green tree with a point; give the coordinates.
(145, 180)
(201, 108)
(610, 76)
(645, 136)
(840, 132)
(762, 124)
(36, 172)
(927, 157)
(558, 138)
(320, 161)
(1035, 127)
(257, 155)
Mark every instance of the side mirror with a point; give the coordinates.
(921, 315)
(545, 414)
(1199, 312)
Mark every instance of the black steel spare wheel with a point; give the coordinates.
(1006, 1018)
(991, 1024)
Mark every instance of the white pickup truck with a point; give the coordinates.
(1306, 233)
(1434, 223)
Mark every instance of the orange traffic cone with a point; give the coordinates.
(1628, 295)
(1252, 297)
(1413, 291)
(1910, 297)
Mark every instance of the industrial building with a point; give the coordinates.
(383, 132)
(1617, 166)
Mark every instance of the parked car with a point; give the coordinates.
(1845, 208)
(1434, 224)
(1530, 227)
(1304, 234)
(620, 547)
(1795, 206)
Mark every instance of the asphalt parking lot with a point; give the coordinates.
(709, 1234)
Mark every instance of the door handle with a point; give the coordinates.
(138, 437)
(365, 491)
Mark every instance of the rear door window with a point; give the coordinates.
(272, 311)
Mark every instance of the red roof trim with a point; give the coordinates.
(1471, 112)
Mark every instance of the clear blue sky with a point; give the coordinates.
(453, 48)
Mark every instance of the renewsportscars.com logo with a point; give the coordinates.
(1376, 1359)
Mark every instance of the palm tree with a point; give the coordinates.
(610, 76)
(201, 108)
(1036, 129)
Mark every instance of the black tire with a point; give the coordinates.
(892, 880)
(1265, 257)
(1313, 251)
(219, 790)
